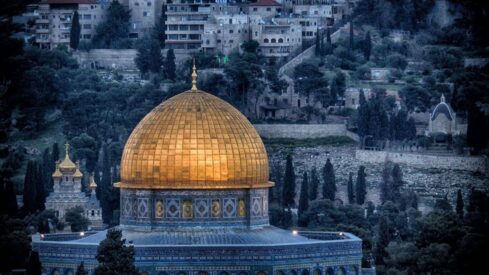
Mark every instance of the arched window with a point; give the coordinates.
(265, 40)
(305, 272)
(93, 213)
(203, 273)
(224, 273)
(317, 271)
(342, 271)
(274, 40)
(243, 273)
(162, 273)
(329, 271)
(280, 272)
(280, 40)
(261, 273)
(293, 272)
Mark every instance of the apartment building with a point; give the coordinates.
(144, 16)
(225, 33)
(185, 24)
(55, 17)
(265, 8)
(277, 38)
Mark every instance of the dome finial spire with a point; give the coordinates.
(194, 78)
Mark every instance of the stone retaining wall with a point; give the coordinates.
(300, 131)
(308, 53)
(424, 160)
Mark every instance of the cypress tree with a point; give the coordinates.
(55, 152)
(383, 239)
(288, 195)
(361, 186)
(351, 192)
(29, 193)
(80, 270)
(170, 67)
(106, 186)
(304, 196)
(40, 189)
(397, 181)
(47, 170)
(329, 181)
(317, 50)
(34, 266)
(313, 191)
(460, 204)
(75, 31)
(160, 28)
(10, 200)
(363, 116)
(351, 44)
(367, 46)
(3, 202)
(329, 45)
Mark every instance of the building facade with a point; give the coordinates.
(53, 25)
(194, 200)
(67, 192)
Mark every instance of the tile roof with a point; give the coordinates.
(69, 2)
(265, 3)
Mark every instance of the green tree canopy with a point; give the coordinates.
(114, 256)
(113, 32)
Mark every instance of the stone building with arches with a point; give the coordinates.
(194, 201)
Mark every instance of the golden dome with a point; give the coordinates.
(67, 163)
(194, 140)
(57, 173)
(92, 185)
(78, 173)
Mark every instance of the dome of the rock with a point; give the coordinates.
(194, 140)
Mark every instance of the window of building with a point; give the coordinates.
(194, 27)
(265, 40)
(173, 27)
(218, 41)
(231, 41)
(218, 31)
(230, 21)
(255, 9)
(207, 42)
(87, 26)
(269, 9)
(173, 36)
(87, 16)
(231, 31)
(274, 40)
(280, 40)
(87, 36)
(146, 13)
(136, 3)
(149, 4)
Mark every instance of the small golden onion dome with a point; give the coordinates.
(92, 185)
(194, 140)
(78, 173)
(67, 163)
(57, 173)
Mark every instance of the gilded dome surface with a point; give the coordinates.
(194, 140)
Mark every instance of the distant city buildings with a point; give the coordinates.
(53, 24)
(214, 26)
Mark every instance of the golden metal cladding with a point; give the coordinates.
(194, 140)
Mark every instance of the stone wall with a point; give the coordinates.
(114, 59)
(107, 58)
(423, 160)
(300, 131)
(308, 53)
